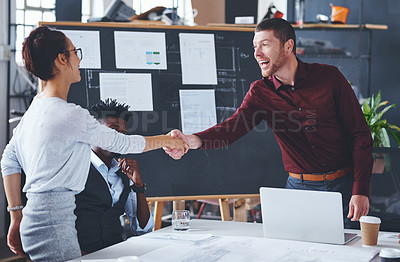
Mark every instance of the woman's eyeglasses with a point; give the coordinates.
(77, 51)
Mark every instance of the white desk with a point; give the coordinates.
(138, 246)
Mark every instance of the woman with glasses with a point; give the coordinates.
(52, 145)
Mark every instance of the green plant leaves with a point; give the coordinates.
(384, 137)
(385, 110)
(380, 128)
(366, 108)
(395, 135)
(394, 127)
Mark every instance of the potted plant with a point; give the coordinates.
(380, 129)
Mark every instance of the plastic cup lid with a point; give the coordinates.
(128, 259)
(390, 253)
(370, 219)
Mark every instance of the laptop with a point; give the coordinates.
(305, 215)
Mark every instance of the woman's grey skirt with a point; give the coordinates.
(48, 226)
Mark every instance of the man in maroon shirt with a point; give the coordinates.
(314, 114)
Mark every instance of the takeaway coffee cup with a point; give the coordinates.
(390, 255)
(369, 230)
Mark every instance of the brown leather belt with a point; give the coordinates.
(323, 177)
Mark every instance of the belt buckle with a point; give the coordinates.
(329, 173)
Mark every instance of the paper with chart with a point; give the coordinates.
(198, 61)
(198, 111)
(89, 42)
(132, 89)
(229, 248)
(140, 50)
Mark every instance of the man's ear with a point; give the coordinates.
(289, 45)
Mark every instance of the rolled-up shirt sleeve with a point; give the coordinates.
(148, 228)
(9, 162)
(131, 212)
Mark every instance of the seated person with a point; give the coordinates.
(112, 188)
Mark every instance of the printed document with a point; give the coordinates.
(198, 111)
(182, 237)
(140, 50)
(230, 248)
(89, 42)
(132, 89)
(198, 61)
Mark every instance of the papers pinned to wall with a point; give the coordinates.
(132, 89)
(89, 42)
(140, 50)
(198, 111)
(198, 60)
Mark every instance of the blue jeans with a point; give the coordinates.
(344, 185)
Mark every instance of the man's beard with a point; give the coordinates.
(280, 62)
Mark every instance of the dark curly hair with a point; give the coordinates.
(41, 48)
(109, 108)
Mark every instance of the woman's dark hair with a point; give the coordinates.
(41, 48)
(283, 30)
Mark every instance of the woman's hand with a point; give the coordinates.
(176, 143)
(193, 141)
(14, 238)
(12, 186)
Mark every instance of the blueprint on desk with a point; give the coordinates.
(229, 248)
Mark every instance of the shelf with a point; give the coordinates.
(341, 26)
(312, 26)
(325, 56)
(332, 56)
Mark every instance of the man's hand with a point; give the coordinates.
(14, 238)
(193, 141)
(358, 207)
(131, 168)
(168, 141)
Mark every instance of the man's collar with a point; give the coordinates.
(274, 81)
(300, 74)
(99, 164)
(301, 70)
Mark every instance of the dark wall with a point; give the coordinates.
(253, 161)
(214, 169)
(386, 52)
(70, 10)
(385, 66)
(235, 8)
(385, 43)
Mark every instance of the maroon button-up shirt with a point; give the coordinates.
(318, 123)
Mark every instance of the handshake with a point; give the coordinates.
(186, 142)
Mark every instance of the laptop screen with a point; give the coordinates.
(304, 215)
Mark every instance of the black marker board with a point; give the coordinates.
(253, 161)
